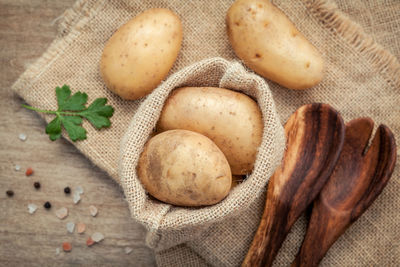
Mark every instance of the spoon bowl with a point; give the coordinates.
(359, 177)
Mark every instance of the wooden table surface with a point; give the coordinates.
(26, 29)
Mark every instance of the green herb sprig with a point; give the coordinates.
(71, 110)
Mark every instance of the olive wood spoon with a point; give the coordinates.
(315, 135)
(358, 178)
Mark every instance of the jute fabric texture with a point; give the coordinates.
(361, 79)
(169, 225)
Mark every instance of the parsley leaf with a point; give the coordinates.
(98, 113)
(71, 110)
(53, 129)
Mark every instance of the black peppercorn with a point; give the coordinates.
(10, 193)
(67, 190)
(47, 205)
(36, 185)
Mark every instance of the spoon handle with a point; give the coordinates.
(270, 233)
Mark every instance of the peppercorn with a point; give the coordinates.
(47, 205)
(67, 190)
(29, 172)
(67, 246)
(10, 193)
(36, 185)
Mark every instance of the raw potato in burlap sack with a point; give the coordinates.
(170, 225)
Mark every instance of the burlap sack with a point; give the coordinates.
(169, 225)
(362, 79)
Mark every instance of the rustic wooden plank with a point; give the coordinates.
(26, 29)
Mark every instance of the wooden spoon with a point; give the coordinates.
(357, 180)
(315, 135)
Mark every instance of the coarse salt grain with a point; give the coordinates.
(97, 237)
(22, 136)
(93, 210)
(70, 227)
(57, 251)
(80, 227)
(32, 208)
(62, 213)
(128, 250)
(17, 167)
(76, 198)
(79, 189)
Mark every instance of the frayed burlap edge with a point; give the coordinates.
(69, 24)
(72, 18)
(332, 18)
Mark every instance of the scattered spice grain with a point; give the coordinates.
(47, 205)
(93, 210)
(89, 242)
(79, 189)
(76, 198)
(32, 208)
(128, 250)
(80, 227)
(22, 137)
(97, 237)
(36, 185)
(62, 213)
(29, 171)
(70, 227)
(67, 247)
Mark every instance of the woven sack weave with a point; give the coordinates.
(170, 225)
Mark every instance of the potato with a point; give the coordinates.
(269, 43)
(184, 168)
(231, 119)
(140, 54)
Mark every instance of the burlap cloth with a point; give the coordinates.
(362, 79)
(168, 225)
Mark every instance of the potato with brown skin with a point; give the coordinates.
(139, 55)
(184, 168)
(269, 43)
(231, 119)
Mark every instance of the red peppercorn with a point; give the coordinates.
(67, 247)
(89, 242)
(29, 172)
